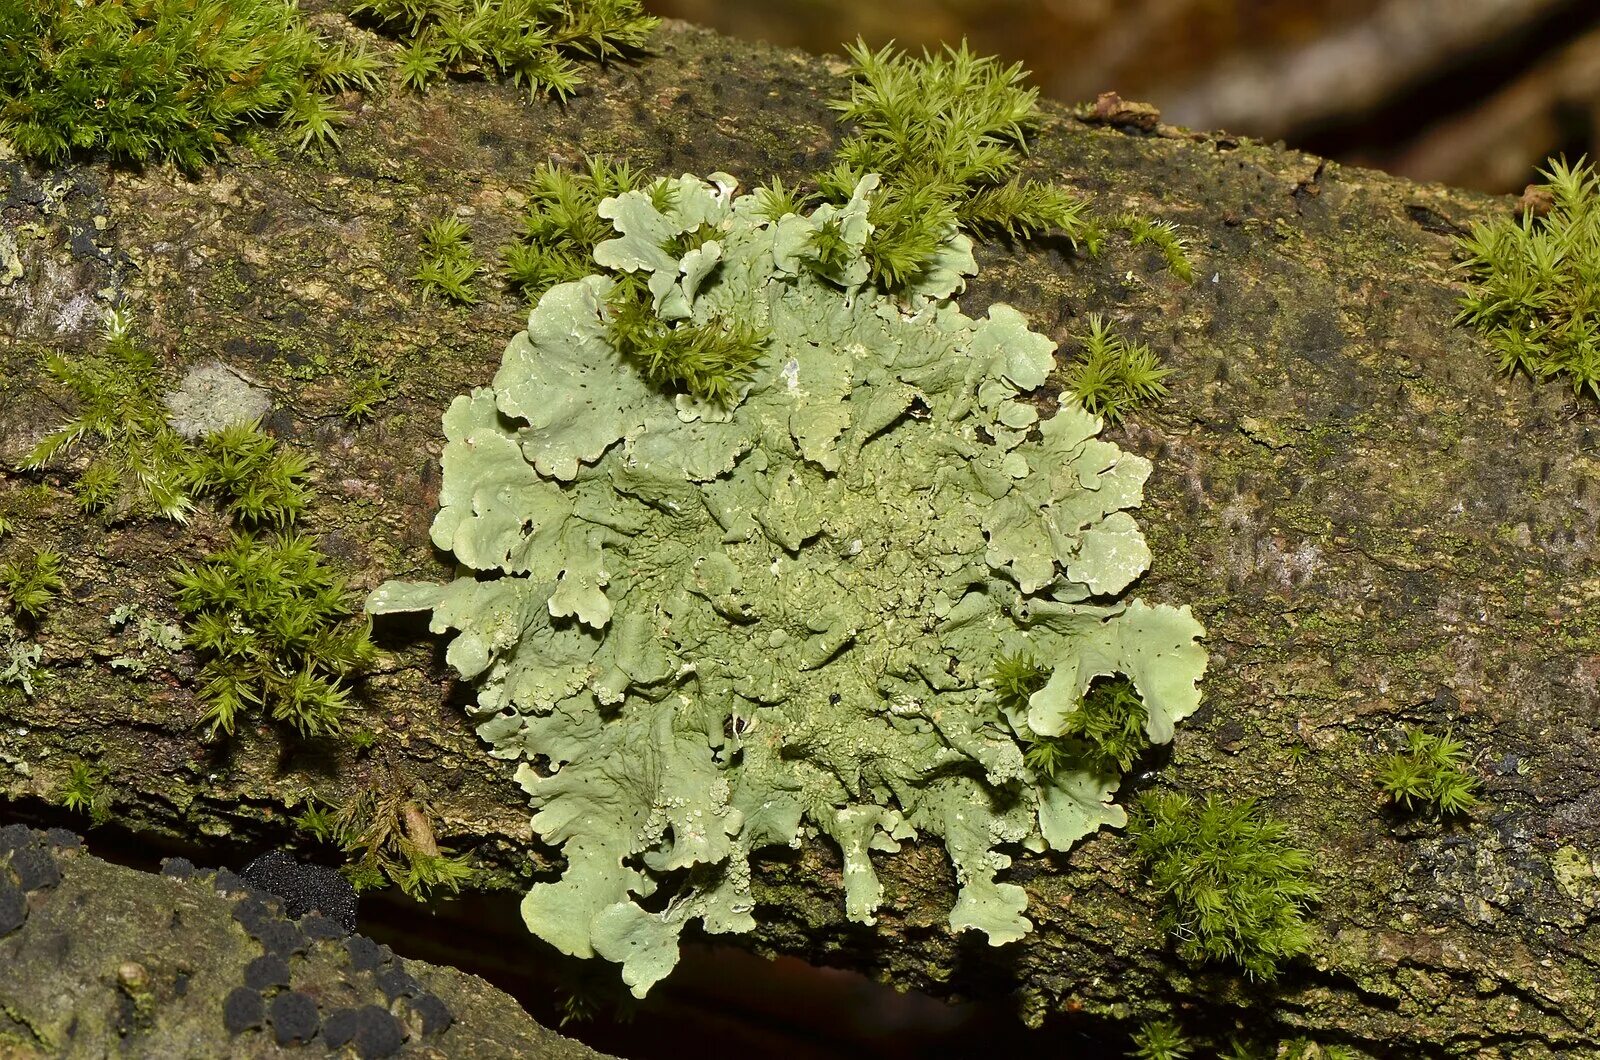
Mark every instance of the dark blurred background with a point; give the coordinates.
(1475, 93)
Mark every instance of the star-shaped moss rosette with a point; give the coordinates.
(705, 630)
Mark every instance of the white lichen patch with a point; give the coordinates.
(213, 396)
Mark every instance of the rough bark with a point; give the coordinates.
(1374, 526)
(107, 960)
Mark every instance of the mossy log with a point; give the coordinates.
(1375, 526)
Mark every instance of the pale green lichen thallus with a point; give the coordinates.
(704, 627)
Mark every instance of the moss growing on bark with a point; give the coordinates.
(1236, 889)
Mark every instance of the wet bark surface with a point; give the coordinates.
(1375, 527)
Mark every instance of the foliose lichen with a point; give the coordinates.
(703, 629)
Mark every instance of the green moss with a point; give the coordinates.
(1236, 890)
(31, 583)
(1112, 376)
(1428, 774)
(1533, 290)
(139, 464)
(1161, 1040)
(317, 821)
(710, 360)
(84, 792)
(561, 224)
(534, 43)
(947, 133)
(1164, 236)
(257, 484)
(368, 390)
(1105, 732)
(391, 839)
(448, 268)
(165, 80)
(273, 623)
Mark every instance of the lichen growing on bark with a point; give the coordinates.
(704, 629)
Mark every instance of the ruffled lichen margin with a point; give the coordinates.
(705, 630)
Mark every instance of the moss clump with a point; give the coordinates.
(1428, 774)
(84, 792)
(31, 583)
(367, 391)
(273, 623)
(1161, 1040)
(1163, 235)
(708, 359)
(533, 42)
(254, 481)
(165, 79)
(267, 612)
(1105, 732)
(711, 360)
(1236, 889)
(947, 133)
(1535, 289)
(1112, 376)
(391, 839)
(140, 464)
(448, 267)
(562, 225)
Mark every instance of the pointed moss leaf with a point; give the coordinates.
(706, 629)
